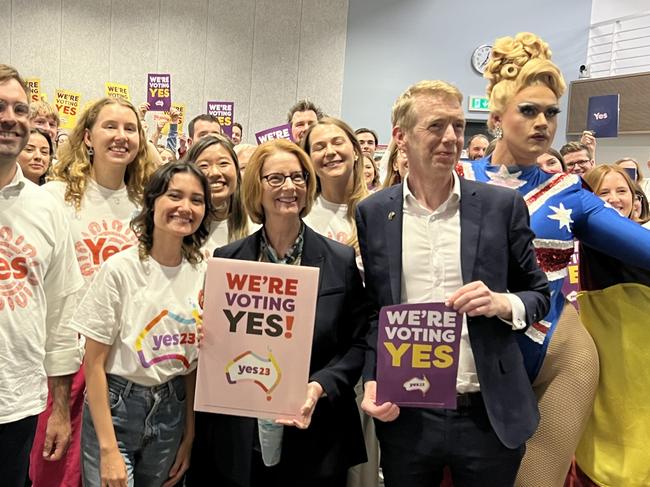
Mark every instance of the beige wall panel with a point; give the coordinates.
(182, 44)
(261, 54)
(5, 31)
(134, 44)
(322, 53)
(228, 60)
(275, 62)
(35, 51)
(85, 45)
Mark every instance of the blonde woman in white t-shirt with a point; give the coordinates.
(99, 181)
(338, 161)
(140, 318)
(215, 156)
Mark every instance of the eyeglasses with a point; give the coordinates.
(581, 163)
(20, 109)
(276, 179)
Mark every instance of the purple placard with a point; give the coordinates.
(224, 111)
(571, 284)
(417, 355)
(159, 92)
(279, 132)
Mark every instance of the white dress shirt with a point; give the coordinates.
(431, 268)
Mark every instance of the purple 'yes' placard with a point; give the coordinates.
(571, 284)
(279, 132)
(417, 355)
(159, 92)
(224, 112)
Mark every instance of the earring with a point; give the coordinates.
(91, 151)
(498, 132)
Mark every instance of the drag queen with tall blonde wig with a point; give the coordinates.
(560, 356)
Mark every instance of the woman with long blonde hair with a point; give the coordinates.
(398, 166)
(338, 161)
(99, 180)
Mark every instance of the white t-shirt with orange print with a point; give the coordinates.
(100, 228)
(38, 276)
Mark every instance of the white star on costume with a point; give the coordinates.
(504, 178)
(563, 215)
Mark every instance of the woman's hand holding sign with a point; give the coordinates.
(314, 393)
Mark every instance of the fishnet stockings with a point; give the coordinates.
(565, 390)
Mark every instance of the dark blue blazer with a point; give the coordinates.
(496, 248)
(334, 440)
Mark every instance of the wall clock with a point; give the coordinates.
(480, 58)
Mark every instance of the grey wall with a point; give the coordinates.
(393, 44)
(261, 54)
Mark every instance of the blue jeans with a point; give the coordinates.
(149, 424)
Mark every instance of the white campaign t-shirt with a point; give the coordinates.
(38, 271)
(147, 313)
(100, 228)
(329, 219)
(218, 236)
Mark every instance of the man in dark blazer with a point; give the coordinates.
(438, 238)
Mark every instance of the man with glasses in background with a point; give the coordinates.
(577, 157)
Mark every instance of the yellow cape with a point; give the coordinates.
(615, 448)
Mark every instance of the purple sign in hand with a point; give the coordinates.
(417, 355)
(159, 92)
(571, 284)
(279, 132)
(224, 112)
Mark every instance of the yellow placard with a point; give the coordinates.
(34, 85)
(116, 90)
(181, 108)
(67, 104)
(87, 105)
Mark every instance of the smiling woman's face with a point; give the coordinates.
(332, 152)
(34, 159)
(220, 169)
(615, 191)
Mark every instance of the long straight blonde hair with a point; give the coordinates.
(359, 188)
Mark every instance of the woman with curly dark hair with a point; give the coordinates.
(140, 319)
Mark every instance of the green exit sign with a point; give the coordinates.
(478, 104)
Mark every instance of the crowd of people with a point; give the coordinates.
(124, 221)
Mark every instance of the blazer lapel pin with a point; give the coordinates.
(391, 215)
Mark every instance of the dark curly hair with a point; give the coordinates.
(143, 223)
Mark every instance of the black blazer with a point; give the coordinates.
(496, 248)
(334, 440)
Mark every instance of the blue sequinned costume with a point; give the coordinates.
(561, 210)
